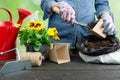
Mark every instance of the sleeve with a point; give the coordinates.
(46, 7)
(102, 6)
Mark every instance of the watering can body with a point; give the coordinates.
(7, 40)
(8, 35)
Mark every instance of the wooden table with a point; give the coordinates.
(74, 70)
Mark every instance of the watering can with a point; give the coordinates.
(8, 33)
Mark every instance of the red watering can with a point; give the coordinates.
(8, 33)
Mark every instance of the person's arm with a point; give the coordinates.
(46, 6)
(103, 11)
(65, 10)
(102, 6)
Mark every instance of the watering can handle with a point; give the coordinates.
(10, 15)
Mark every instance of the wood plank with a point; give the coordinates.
(74, 70)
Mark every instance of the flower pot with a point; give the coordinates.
(59, 53)
(29, 48)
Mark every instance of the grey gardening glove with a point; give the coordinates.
(66, 11)
(109, 27)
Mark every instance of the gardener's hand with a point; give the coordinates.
(108, 24)
(66, 11)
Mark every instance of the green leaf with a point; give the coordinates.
(37, 47)
(28, 41)
(37, 43)
(47, 41)
(38, 36)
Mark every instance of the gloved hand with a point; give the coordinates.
(108, 24)
(66, 11)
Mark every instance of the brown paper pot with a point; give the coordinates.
(59, 52)
(98, 29)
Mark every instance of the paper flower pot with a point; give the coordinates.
(98, 29)
(59, 53)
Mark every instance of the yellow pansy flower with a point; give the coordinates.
(53, 32)
(50, 32)
(35, 25)
(56, 37)
(38, 25)
(31, 24)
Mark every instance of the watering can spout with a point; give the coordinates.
(22, 15)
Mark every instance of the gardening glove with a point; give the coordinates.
(108, 24)
(66, 11)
